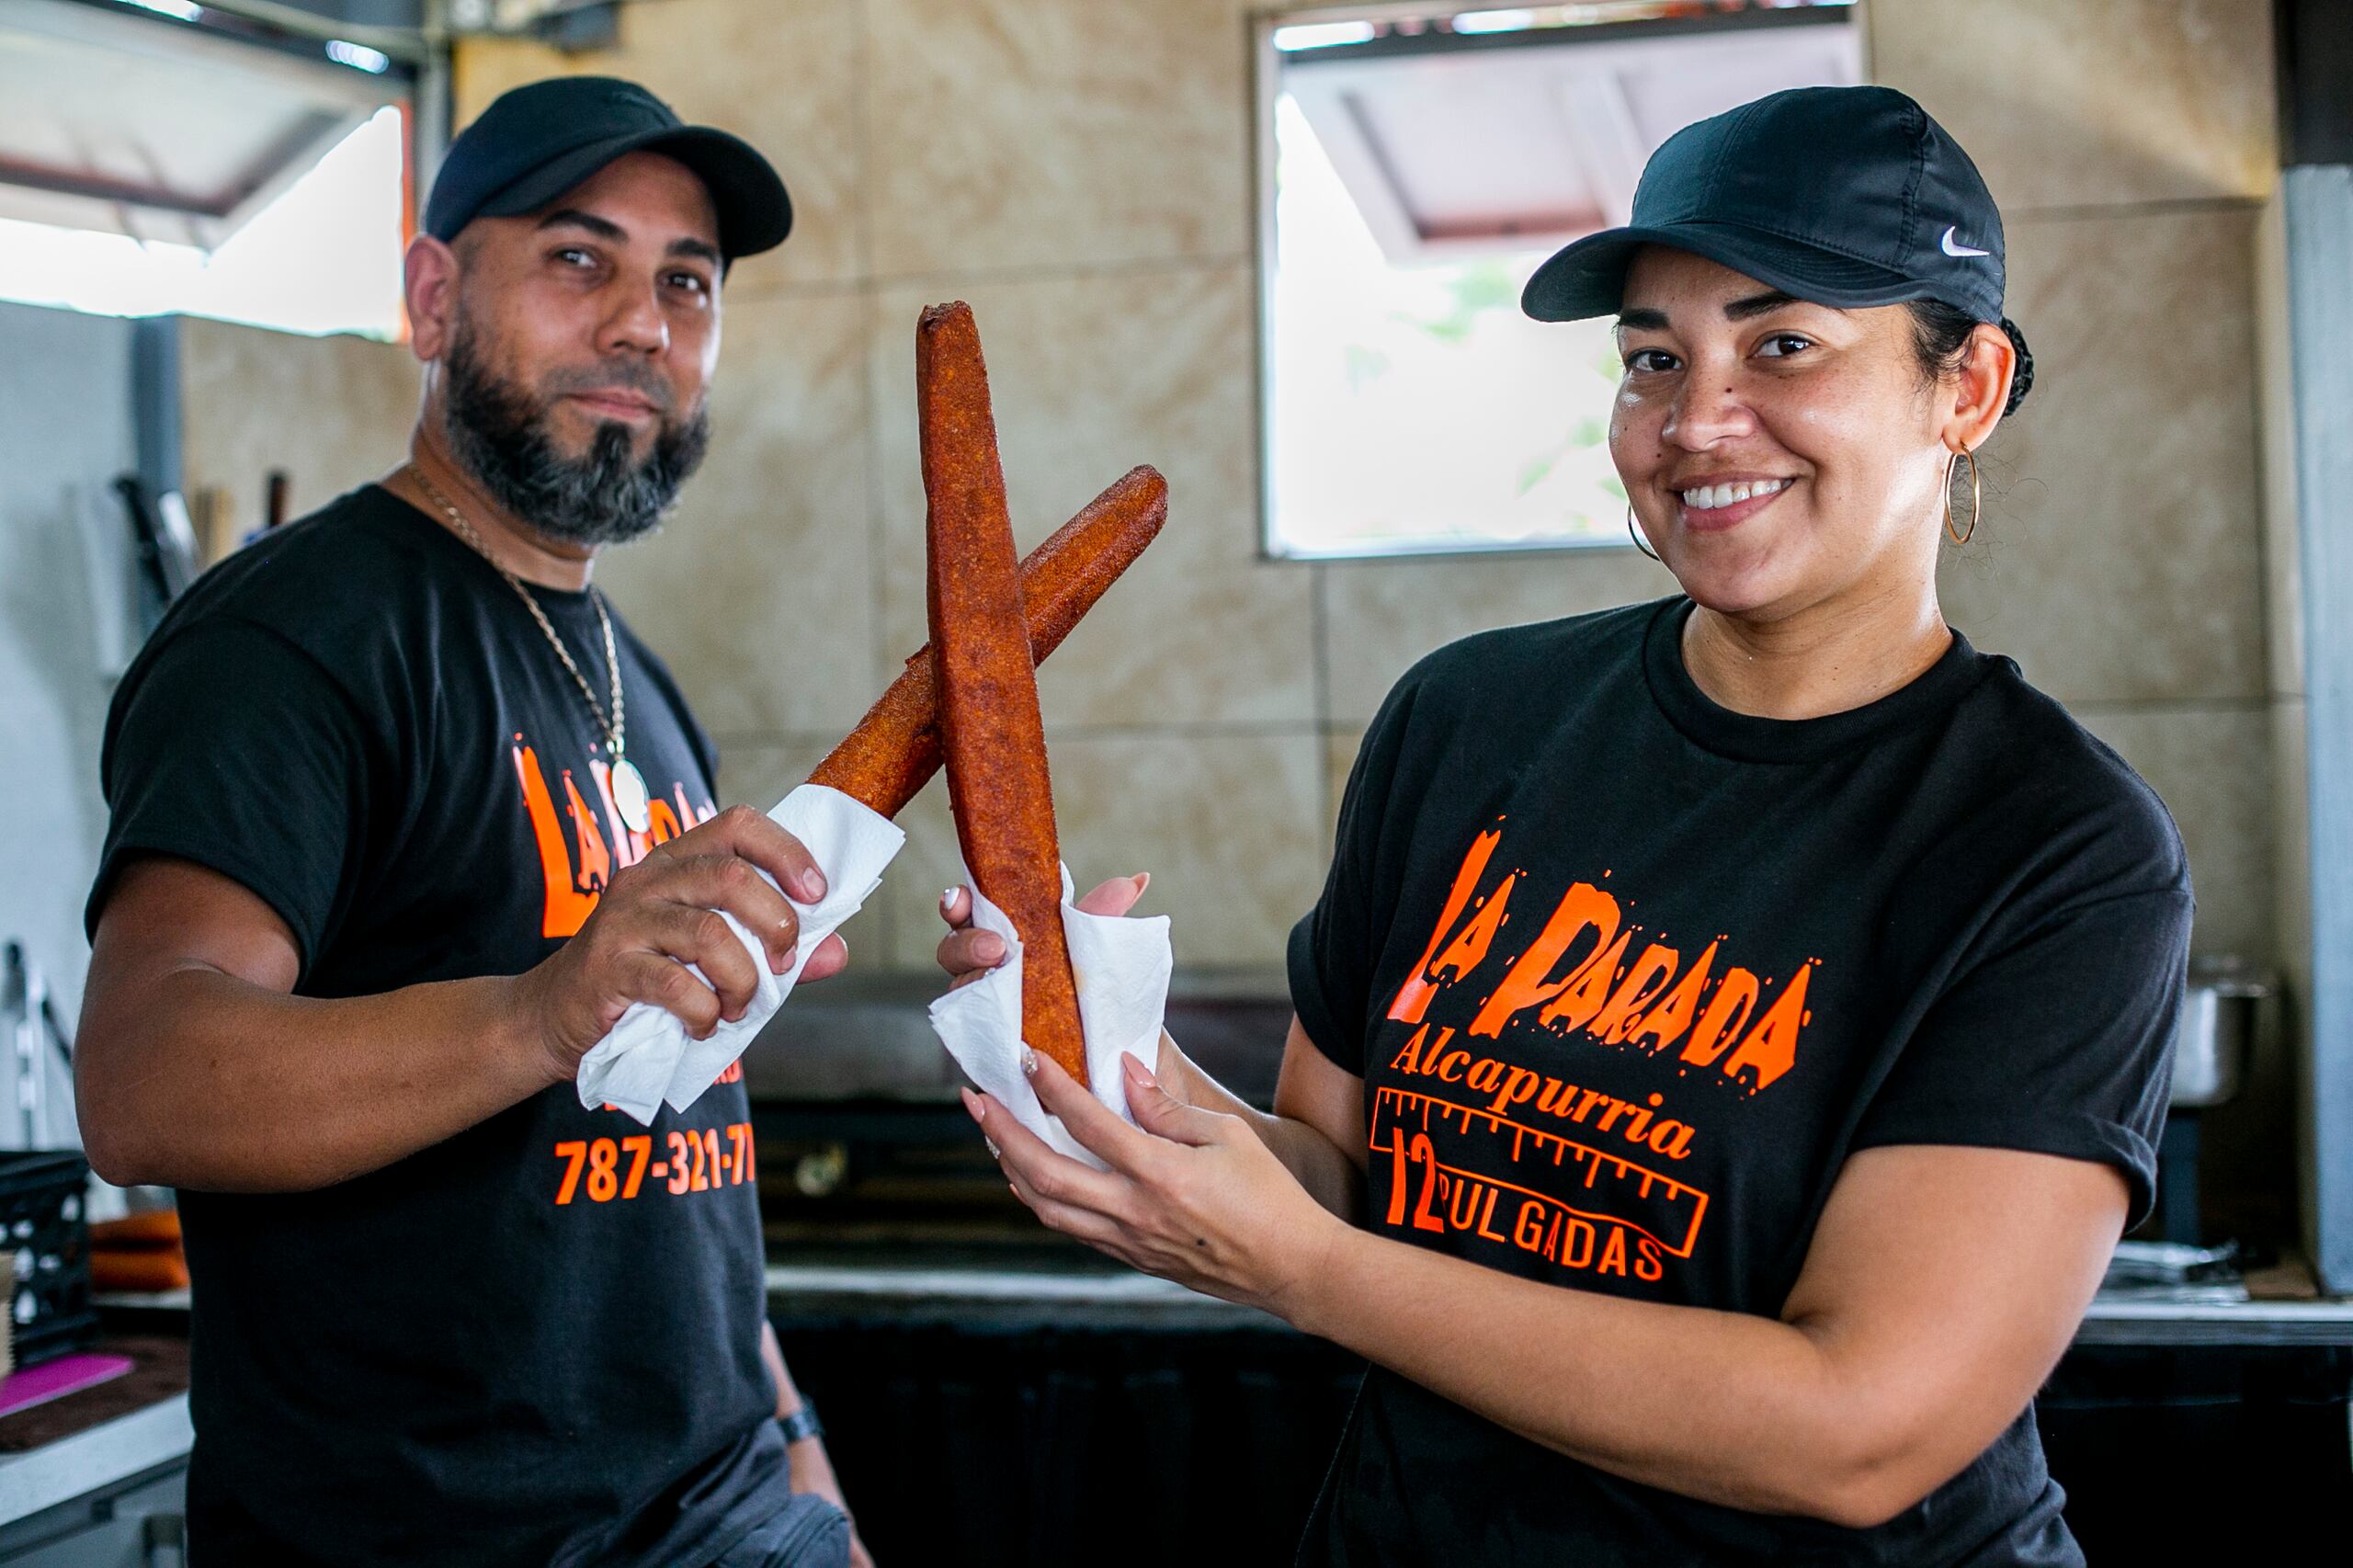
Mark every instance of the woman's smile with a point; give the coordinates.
(1712, 506)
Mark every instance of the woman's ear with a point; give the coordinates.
(1988, 362)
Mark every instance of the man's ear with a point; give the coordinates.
(430, 289)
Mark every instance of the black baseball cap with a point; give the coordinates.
(1842, 195)
(538, 141)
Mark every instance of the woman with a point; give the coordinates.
(1730, 1041)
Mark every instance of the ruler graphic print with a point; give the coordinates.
(1605, 1188)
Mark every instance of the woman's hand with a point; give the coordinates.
(1195, 1196)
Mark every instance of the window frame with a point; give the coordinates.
(1266, 88)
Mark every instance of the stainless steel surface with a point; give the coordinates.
(137, 1523)
(2217, 1021)
(2230, 1322)
(1120, 1299)
(1003, 1298)
(2173, 1272)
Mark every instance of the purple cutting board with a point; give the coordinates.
(53, 1380)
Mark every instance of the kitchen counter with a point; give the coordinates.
(1029, 1298)
(977, 1371)
(95, 1458)
(2143, 1321)
(100, 1441)
(943, 1284)
(1002, 1392)
(1109, 1297)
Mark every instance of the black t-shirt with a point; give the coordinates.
(1628, 976)
(538, 1341)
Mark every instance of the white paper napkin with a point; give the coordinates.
(1123, 967)
(650, 1058)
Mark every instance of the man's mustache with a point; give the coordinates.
(621, 377)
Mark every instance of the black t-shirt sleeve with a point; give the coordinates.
(2059, 1042)
(1334, 946)
(232, 747)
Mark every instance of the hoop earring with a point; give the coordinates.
(1635, 534)
(1977, 500)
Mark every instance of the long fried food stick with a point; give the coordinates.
(990, 731)
(895, 748)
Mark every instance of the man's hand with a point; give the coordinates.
(662, 914)
(1318, 1130)
(812, 1467)
(814, 1471)
(967, 953)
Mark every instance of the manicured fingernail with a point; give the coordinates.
(947, 901)
(1138, 1071)
(972, 1101)
(1144, 881)
(1028, 1060)
(989, 948)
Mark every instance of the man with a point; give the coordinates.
(403, 821)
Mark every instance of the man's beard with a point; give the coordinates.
(499, 431)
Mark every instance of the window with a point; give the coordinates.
(160, 158)
(1417, 172)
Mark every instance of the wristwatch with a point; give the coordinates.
(803, 1423)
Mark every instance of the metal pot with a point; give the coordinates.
(2218, 1020)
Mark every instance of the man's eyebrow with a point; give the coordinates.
(572, 217)
(701, 250)
(1758, 304)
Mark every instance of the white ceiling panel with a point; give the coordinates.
(120, 121)
(1455, 154)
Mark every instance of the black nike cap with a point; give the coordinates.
(1841, 196)
(538, 141)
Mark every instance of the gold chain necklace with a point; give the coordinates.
(630, 796)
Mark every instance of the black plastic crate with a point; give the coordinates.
(45, 1251)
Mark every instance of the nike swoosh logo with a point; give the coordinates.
(1953, 248)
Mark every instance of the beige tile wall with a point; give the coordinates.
(2122, 558)
(1081, 171)
(771, 541)
(786, 75)
(2092, 105)
(332, 411)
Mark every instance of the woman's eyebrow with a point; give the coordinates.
(1760, 304)
(1643, 319)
